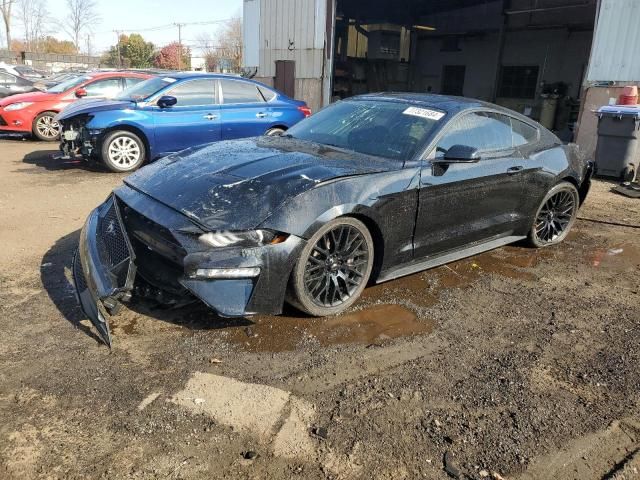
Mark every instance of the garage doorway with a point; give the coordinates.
(529, 56)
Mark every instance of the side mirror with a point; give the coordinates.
(81, 92)
(167, 101)
(461, 154)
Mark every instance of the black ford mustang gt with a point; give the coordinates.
(367, 190)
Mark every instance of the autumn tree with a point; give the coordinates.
(131, 51)
(173, 57)
(223, 51)
(34, 17)
(81, 14)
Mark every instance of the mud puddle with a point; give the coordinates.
(371, 325)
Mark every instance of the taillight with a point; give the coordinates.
(305, 110)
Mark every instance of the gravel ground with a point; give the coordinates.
(517, 363)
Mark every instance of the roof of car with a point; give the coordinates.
(448, 103)
(116, 74)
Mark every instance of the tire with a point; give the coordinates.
(333, 268)
(274, 132)
(555, 216)
(45, 128)
(628, 174)
(123, 151)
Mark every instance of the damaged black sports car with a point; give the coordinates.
(367, 190)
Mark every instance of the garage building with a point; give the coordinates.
(552, 60)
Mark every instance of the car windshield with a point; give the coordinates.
(145, 89)
(69, 84)
(380, 128)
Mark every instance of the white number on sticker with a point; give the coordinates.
(424, 113)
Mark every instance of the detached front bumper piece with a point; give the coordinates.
(103, 267)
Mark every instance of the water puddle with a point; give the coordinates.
(620, 257)
(371, 325)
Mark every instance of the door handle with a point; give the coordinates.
(261, 115)
(513, 170)
(210, 116)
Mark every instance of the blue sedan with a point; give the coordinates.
(167, 114)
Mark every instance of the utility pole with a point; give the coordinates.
(180, 25)
(88, 45)
(117, 32)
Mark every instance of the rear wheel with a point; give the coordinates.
(333, 268)
(555, 216)
(274, 132)
(123, 151)
(45, 128)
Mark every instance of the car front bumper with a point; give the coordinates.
(20, 121)
(106, 264)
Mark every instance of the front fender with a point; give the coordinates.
(387, 200)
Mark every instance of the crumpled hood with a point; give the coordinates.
(91, 106)
(236, 185)
(28, 97)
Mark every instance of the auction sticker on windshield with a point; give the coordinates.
(168, 79)
(424, 113)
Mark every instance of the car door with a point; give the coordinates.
(244, 112)
(462, 203)
(194, 120)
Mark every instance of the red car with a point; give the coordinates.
(34, 112)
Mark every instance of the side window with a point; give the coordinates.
(131, 81)
(481, 130)
(109, 87)
(6, 79)
(234, 91)
(194, 93)
(523, 133)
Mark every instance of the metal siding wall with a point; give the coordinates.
(615, 54)
(251, 33)
(297, 21)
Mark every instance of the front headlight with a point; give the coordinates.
(17, 106)
(252, 238)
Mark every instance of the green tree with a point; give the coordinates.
(132, 51)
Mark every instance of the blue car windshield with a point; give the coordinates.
(143, 90)
(386, 129)
(68, 84)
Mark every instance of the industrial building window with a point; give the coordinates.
(453, 79)
(518, 82)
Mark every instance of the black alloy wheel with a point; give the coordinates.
(555, 216)
(334, 268)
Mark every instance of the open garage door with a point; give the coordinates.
(528, 55)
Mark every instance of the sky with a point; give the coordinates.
(138, 15)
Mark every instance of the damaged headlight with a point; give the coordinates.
(252, 238)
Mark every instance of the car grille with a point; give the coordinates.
(3, 123)
(112, 244)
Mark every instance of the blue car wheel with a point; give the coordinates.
(123, 151)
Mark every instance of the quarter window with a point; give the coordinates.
(239, 92)
(267, 94)
(483, 131)
(195, 92)
(523, 133)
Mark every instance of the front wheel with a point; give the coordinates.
(555, 216)
(123, 151)
(333, 268)
(45, 128)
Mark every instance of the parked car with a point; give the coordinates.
(12, 85)
(366, 190)
(34, 112)
(173, 112)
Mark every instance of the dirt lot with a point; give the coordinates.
(517, 363)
